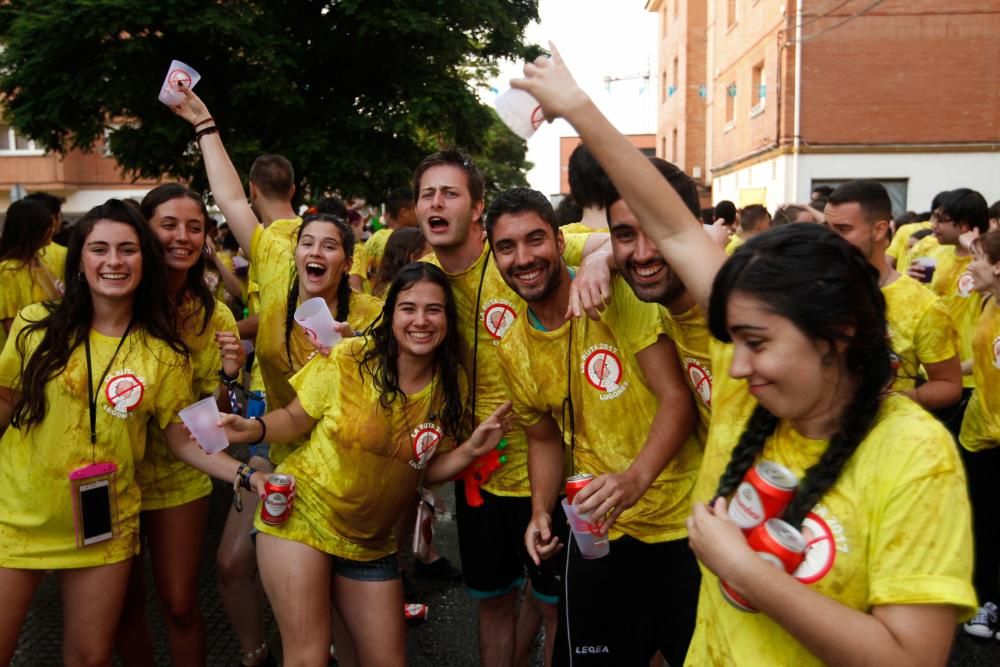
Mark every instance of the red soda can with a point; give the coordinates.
(416, 612)
(764, 493)
(575, 483)
(778, 543)
(277, 503)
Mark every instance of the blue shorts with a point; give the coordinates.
(381, 569)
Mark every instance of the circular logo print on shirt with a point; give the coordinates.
(965, 284)
(821, 550)
(603, 369)
(124, 392)
(996, 352)
(425, 439)
(498, 316)
(700, 379)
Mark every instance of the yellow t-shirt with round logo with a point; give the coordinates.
(613, 406)
(920, 329)
(146, 385)
(981, 424)
(899, 246)
(165, 480)
(362, 463)
(953, 283)
(499, 308)
(689, 331)
(871, 544)
(276, 268)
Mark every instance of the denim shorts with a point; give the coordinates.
(382, 569)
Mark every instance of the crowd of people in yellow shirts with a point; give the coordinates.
(647, 353)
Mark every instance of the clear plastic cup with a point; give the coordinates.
(520, 112)
(317, 323)
(202, 419)
(591, 546)
(178, 75)
(928, 264)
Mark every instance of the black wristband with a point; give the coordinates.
(226, 380)
(214, 129)
(263, 431)
(245, 477)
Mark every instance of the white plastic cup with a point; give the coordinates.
(928, 264)
(317, 323)
(178, 74)
(520, 112)
(202, 419)
(591, 546)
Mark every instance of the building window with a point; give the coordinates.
(730, 13)
(663, 21)
(758, 90)
(663, 86)
(676, 72)
(730, 105)
(677, 8)
(663, 147)
(12, 143)
(673, 146)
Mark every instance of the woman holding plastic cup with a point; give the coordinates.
(319, 263)
(806, 372)
(387, 411)
(175, 495)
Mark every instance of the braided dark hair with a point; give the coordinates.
(826, 288)
(343, 289)
(380, 357)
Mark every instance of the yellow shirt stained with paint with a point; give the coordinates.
(689, 331)
(953, 283)
(165, 480)
(580, 228)
(368, 256)
(899, 247)
(276, 268)
(612, 404)
(872, 544)
(499, 308)
(362, 463)
(920, 329)
(734, 242)
(146, 385)
(925, 247)
(981, 424)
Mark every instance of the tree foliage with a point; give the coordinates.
(354, 92)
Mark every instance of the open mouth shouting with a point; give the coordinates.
(315, 271)
(437, 224)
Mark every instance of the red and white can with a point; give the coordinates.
(575, 483)
(415, 611)
(778, 543)
(277, 505)
(763, 494)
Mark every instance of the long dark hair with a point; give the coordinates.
(343, 289)
(380, 360)
(402, 243)
(194, 284)
(25, 230)
(68, 321)
(825, 287)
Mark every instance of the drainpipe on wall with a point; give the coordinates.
(797, 130)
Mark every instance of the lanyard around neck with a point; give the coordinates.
(91, 398)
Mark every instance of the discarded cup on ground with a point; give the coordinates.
(928, 264)
(178, 75)
(202, 419)
(591, 546)
(317, 323)
(520, 112)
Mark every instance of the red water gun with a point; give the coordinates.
(480, 472)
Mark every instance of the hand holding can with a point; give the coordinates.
(776, 542)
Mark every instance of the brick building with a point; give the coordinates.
(902, 91)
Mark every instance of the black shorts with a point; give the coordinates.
(623, 608)
(491, 544)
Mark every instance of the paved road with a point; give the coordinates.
(448, 638)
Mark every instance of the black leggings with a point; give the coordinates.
(982, 469)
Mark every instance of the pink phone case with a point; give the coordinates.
(93, 470)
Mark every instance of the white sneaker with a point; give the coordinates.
(984, 623)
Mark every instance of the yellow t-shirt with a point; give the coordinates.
(165, 480)
(24, 284)
(368, 256)
(275, 264)
(734, 242)
(499, 308)
(580, 228)
(920, 329)
(925, 247)
(981, 424)
(689, 331)
(872, 544)
(146, 384)
(362, 463)
(899, 247)
(612, 404)
(953, 283)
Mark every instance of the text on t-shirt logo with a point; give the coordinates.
(497, 316)
(424, 439)
(824, 537)
(700, 379)
(124, 392)
(602, 368)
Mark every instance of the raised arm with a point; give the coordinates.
(664, 217)
(227, 188)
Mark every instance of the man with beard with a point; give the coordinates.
(606, 398)
(920, 329)
(449, 204)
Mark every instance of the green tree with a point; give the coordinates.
(354, 92)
